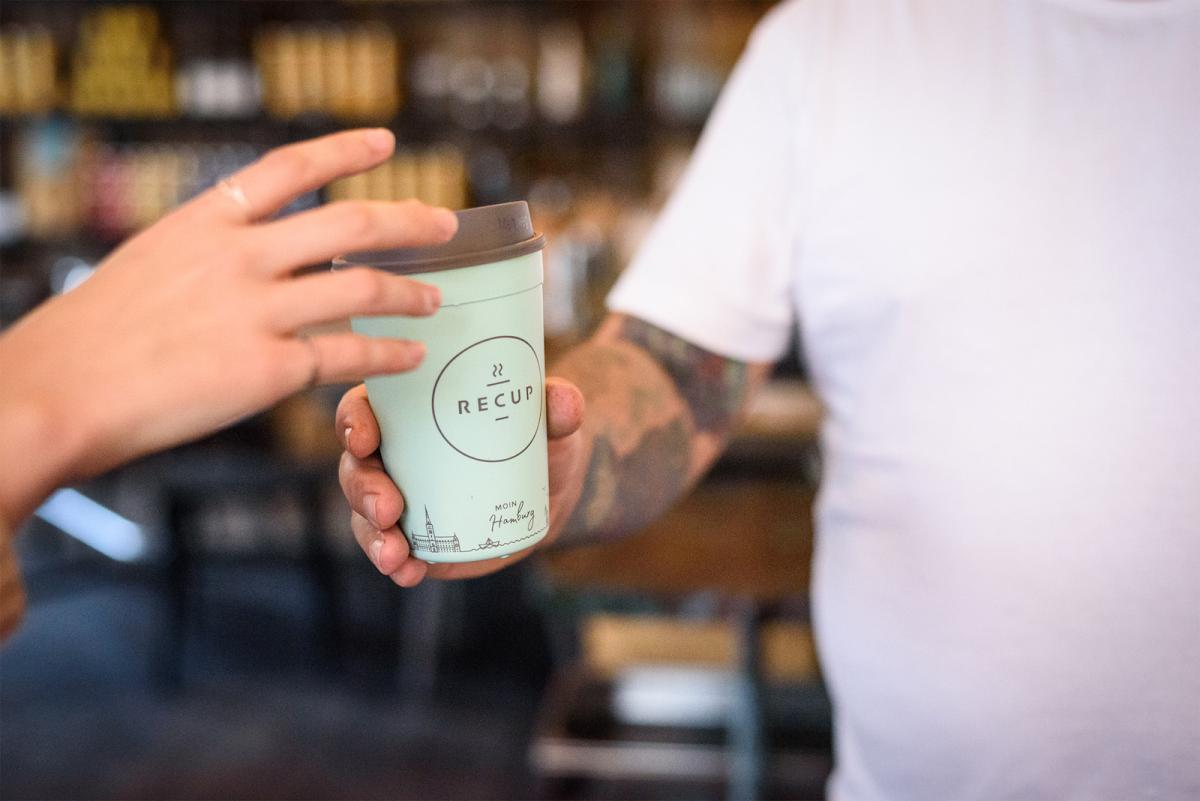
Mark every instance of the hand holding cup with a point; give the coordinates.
(377, 503)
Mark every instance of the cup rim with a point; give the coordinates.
(474, 258)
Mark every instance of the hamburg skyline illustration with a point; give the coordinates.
(430, 542)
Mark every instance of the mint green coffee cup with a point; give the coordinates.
(464, 434)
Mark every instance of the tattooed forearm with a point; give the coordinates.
(622, 495)
(713, 386)
(659, 410)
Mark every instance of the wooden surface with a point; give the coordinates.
(739, 538)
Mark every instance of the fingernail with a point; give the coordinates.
(380, 139)
(418, 351)
(369, 504)
(433, 298)
(403, 576)
(374, 549)
(346, 437)
(446, 220)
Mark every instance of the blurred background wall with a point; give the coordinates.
(201, 623)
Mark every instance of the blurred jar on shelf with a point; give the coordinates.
(615, 62)
(587, 230)
(133, 186)
(562, 67)
(219, 88)
(51, 170)
(477, 73)
(347, 72)
(695, 54)
(121, 65)
(27, 70)
(592, 232)
(69, 183)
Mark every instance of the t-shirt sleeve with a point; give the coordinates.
(716, 267)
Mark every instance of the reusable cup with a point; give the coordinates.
(464, 434)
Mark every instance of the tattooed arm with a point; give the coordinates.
(659, 410)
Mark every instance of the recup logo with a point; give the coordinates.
(487, 400)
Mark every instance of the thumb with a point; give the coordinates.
(564, 408)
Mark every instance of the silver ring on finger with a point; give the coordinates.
(230, 187)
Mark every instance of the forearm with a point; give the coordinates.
(29, 468)
(39, 445)
(659, 412)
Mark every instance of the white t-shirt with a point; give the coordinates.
(985, 219)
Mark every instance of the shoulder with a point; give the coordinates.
(787, 24)
(805, 35)
(816, 25)
(797, 21)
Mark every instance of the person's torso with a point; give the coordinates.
(998, 286)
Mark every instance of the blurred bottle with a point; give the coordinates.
(375, 73)
(477, 73)
(276, 51)
(431, 81)
(349, 73)
(51, 162)
(472, 81)
(695, 53)
(216, 78)
(615, 63)
(685, 80)
(511, 92)
(27, 70)
(218, 87)
(339, 83)
(550, 202)
(491, 175)
(583, 229)
(68, 183)
(108, 208)
(562, 62)
(436, 175)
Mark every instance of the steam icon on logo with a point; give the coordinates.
(497, 372)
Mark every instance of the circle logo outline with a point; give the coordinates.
(541, 402)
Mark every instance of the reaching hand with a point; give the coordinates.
(376, 502)
(192, 324)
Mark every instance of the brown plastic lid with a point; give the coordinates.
(485, 234)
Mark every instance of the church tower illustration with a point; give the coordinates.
(431, 542)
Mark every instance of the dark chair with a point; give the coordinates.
(192, 480)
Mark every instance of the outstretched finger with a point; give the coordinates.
(338, 358)
(318, 235)
(354, 292)
(289, 172)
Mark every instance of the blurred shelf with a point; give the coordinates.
(783, 410)
(617, 130)
(613, 643)
(579, 736)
